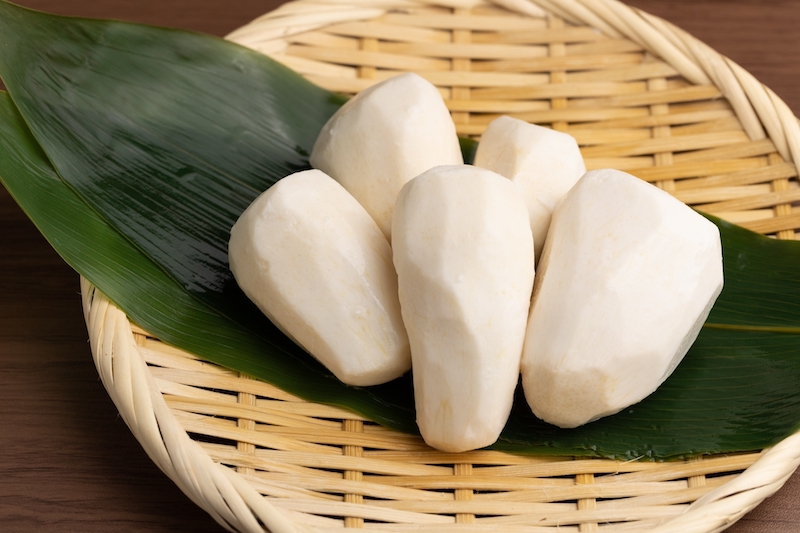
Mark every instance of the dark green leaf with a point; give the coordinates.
(155, 301)
(762, 286)
(168, 134)
(468, 149)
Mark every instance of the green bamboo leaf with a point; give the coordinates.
(736, 390)
(166, 133)
(154, 300)
(762, 285)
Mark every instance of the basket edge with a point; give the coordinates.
(222, 493)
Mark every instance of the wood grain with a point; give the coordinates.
(68, 463)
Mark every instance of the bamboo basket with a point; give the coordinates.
(640, 95)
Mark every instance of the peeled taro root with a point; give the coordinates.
(464, 257)
(317, 265)
(543, 163)
(383, 137)
(627, 277)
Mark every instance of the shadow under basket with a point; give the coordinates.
(639, 95)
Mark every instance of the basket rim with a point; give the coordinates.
(235, 503)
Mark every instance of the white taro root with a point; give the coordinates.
(543, 163)
(317, 265)
(627, 278)
(464, 257)
(382, 138)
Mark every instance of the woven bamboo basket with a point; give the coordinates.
(639, 94)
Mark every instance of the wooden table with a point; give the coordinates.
(69, 463)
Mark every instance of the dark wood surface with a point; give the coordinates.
(68, 462)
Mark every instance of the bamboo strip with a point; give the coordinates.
(759, 173)
(272, 489)
(464, 22)
(587, 137)
(464, 50)
(250, 411)
(562, 518)
(542, 36)
(671, 497)
(628, 164)
(740, 217)
(743, 150)
(166, 387)
(305, 66)
(641, 71)
(769, 199)
(495, 107)
(543, 499)
(643, 98)
(325, 485)
(774, 224)
(563, 90)
(227, 429)
(720, 194)
(230, 455)
(482, 457)
(362, 511)
(561, 62)
(578, 115)
(271, 460)
(447, 528)
(670, 144)
(324, 39)
(650, 494)
(671, 118)
(392, 441)
(222, 382)
(157, 353)
(608, 46)
(390, 32)
(364, 58)
(665, 472)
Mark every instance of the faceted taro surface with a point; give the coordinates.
(317, 265)
(464, 257)
(382, 138)
(627, 277)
